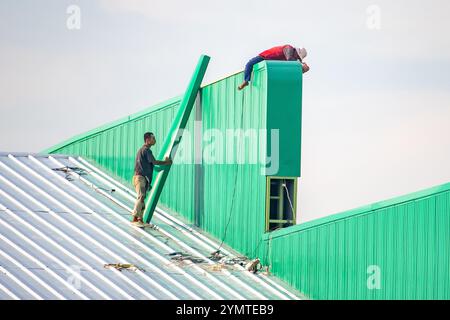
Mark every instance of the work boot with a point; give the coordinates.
(137, 222)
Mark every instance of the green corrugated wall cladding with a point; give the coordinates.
(405, 240)
(235, 193)
(210, 193)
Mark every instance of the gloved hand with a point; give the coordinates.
(305, 67)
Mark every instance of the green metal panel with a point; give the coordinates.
(173, 138)
(284, 113)
(237, 192)
(234, 193)
(406, 238)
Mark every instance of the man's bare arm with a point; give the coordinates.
(155, 162)
(166, 162)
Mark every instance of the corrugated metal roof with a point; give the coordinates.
(61, 222)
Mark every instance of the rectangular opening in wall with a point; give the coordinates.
(281, 202)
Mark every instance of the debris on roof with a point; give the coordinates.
(123, 266)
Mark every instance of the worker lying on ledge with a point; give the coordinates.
(143, 174)
(286, 53)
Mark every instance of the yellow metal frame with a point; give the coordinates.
(280, 202)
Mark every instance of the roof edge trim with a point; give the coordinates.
(115, 123)
(144, 112)
(358, 211)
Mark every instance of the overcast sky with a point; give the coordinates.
(376, 105)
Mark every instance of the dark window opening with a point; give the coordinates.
(281, 203)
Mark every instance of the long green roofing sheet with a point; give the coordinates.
(175, 135)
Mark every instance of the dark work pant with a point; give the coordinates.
(249, 67)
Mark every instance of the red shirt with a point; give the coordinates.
(286, 53)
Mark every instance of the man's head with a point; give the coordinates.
(149, 138)
(302, 53)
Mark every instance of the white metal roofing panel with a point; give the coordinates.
(58, 230)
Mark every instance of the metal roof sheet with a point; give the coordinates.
(63, 219)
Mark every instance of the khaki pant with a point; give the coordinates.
(141, 186)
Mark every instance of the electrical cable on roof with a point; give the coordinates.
(269, 251)
(261, 240)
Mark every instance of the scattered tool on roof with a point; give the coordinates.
(123, 266)
(252, 266)
(216, 255)
(214, 267)
(68, 170)
(181, 256)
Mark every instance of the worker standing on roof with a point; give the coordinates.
(143, 174)
(286, 53)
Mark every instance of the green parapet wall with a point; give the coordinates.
(213, 195)
(394, 249)
(236, 193)
(284, 113)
